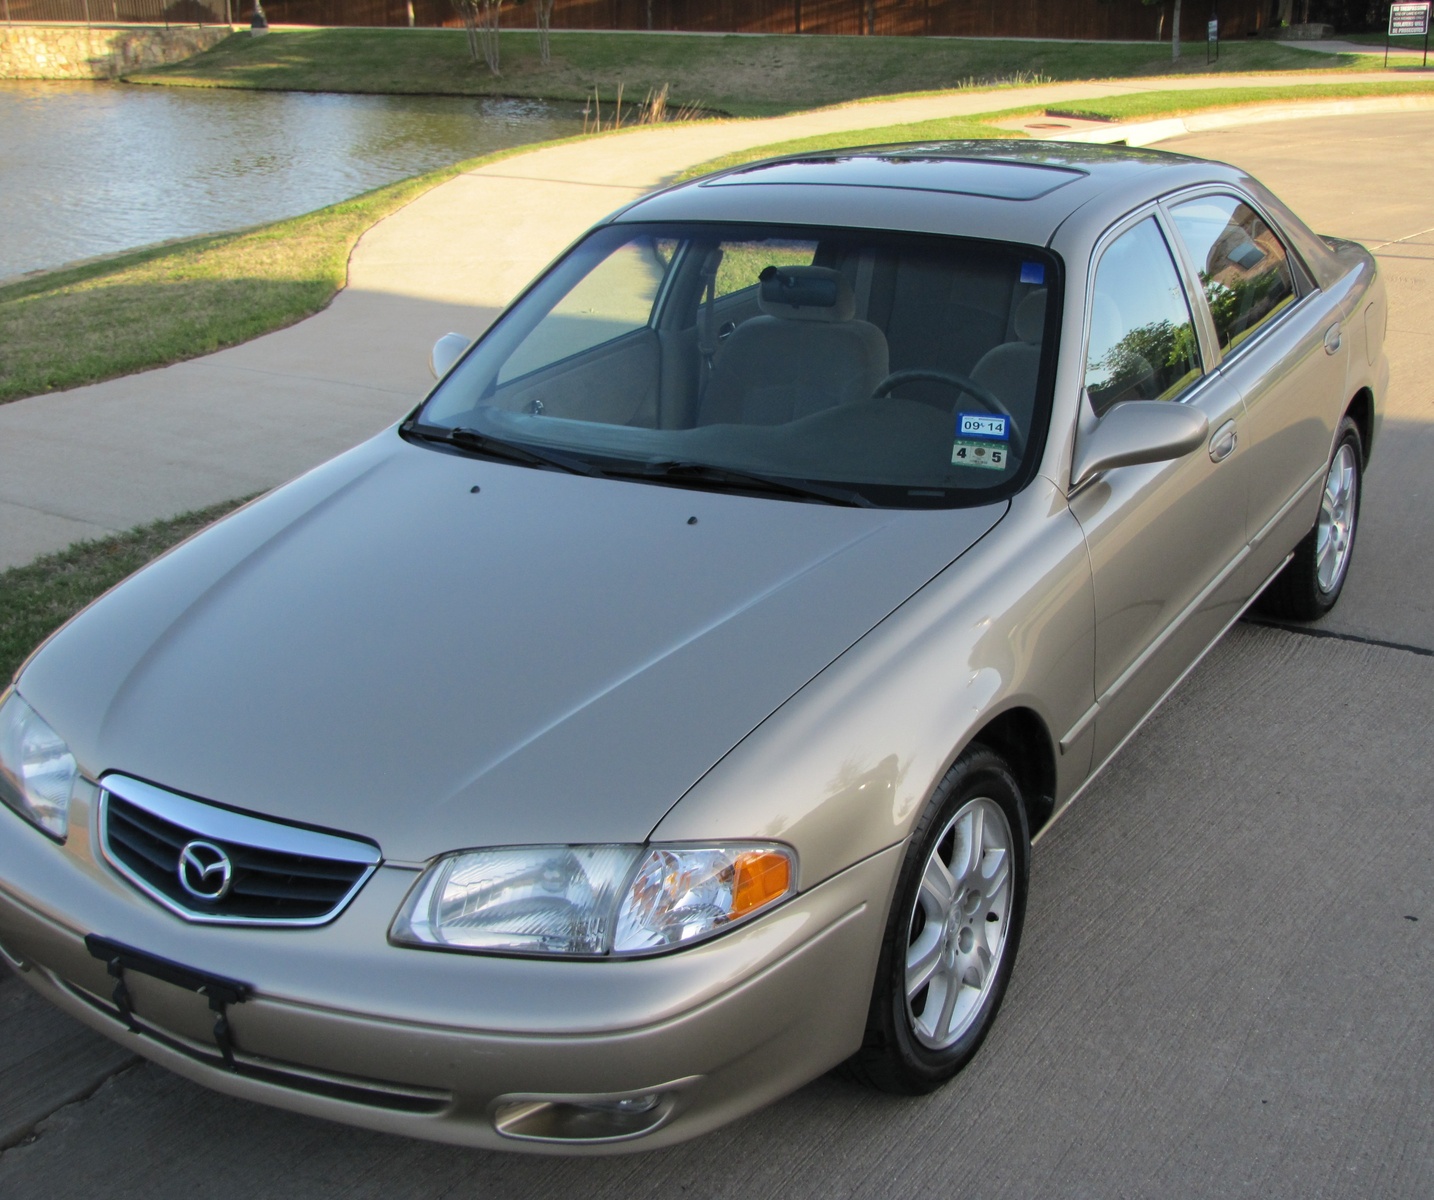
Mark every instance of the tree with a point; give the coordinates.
(544, 11)
(1174, 26)
(481, 23)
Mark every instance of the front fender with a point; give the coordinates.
(844, 768)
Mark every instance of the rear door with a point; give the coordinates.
(1279, 345)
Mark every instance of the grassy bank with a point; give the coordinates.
(1375, 42)
(1146, 105)
(38, 598)
(743, 76)
(164, 304)
(940, 130)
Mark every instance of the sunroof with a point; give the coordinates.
(963, 176)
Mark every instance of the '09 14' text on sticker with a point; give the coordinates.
(982, 425)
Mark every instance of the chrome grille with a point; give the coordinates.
(278, 874)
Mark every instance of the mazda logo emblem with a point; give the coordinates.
(205, 871)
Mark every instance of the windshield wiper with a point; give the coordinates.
(496, 447)
(699, 474)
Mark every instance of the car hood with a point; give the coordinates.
(384, 649)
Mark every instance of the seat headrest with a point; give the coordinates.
(1030, 319)
(805, 294)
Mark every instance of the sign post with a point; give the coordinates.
(1408, 20)
(1212, 40)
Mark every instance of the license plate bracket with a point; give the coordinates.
(219, 990)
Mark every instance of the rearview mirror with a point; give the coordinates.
(1138, 431)
(447, 350)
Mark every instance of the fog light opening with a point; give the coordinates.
(600, 1118)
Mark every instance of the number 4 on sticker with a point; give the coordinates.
(990, 455)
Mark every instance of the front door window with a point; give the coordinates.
(1142, 342)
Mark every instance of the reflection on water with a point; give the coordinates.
(88, 169)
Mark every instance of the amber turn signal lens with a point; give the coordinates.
(762, 877)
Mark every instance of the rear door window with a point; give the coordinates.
(1243, 267)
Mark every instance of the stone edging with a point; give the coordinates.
(74, 52)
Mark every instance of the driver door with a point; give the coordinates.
(1164, 538)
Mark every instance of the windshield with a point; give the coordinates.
(889, 369)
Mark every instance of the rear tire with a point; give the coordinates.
(1312, 580)
(953, 931)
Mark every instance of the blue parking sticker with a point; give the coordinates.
(982, 425)
(1033, 273)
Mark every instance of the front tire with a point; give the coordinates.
(954, 928)
(1311, 582)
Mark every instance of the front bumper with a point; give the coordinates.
(438, 1045)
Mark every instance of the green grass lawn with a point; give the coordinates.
(940, 130)
(742, 76)
(1376, 41)
(38, 598)
(160, 305)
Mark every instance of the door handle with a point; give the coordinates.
(1332, 340)
(1222, 442)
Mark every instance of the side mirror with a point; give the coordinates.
(1138, 431)
(447, 350)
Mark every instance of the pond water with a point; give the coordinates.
(91, 169)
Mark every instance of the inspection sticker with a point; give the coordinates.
(991, 455)
(1033, 272)
(983, 425)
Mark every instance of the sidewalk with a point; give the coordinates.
(99, 459)
(1334, 46)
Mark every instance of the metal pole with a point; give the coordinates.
(87, 14)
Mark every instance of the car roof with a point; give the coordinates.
(1008, 190)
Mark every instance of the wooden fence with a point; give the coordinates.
(1114, 19)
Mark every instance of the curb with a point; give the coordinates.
(1145, 133)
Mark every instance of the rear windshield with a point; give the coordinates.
(909, 371)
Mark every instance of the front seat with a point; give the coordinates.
(1010, 369)
(803, 354)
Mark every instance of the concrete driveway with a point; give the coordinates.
(1225, 984)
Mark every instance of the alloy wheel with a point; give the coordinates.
(958, 927)
(1334, 536)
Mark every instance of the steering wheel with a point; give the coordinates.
(983, 396)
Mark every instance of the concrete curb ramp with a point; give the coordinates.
(1147, 133)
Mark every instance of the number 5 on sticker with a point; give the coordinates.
(989, 455)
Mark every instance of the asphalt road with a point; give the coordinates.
(1225, 984)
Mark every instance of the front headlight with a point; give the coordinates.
(590, 901)
(37, 770)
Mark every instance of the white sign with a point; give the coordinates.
(1212, 31)
(1409, 20)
